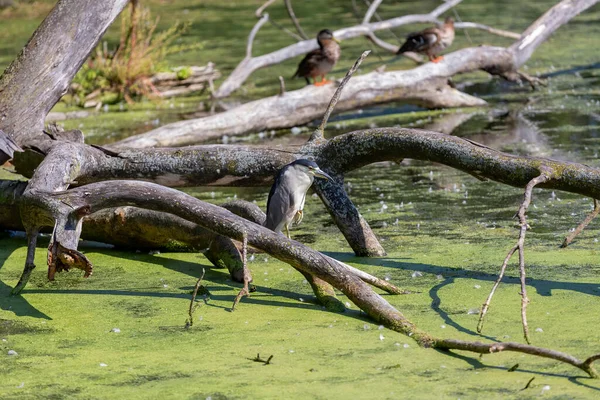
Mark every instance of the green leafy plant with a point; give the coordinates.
(124, 74)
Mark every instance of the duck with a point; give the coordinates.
(430, 41)
(320, 61)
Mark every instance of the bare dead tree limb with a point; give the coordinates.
(489, 29)
(583, 224)
(319, 132)
(489, 348)
(263, 20)
(520, 246)
(193, 305)
(290, 10)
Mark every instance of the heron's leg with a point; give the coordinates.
(298, 217)
(287, 231)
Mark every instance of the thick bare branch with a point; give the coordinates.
(29, 91)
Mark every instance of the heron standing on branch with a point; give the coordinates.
(288, 193)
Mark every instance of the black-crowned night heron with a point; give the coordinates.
(288, 193)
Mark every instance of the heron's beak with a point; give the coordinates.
(319, 173)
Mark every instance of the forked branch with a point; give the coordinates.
(520, 246)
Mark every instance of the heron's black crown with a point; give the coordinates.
(305, 162)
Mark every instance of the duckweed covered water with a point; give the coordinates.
(445, 232)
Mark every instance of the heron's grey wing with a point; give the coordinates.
(277, 205)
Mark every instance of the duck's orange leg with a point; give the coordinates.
(436, 59)
(324, 80)
(319, 83)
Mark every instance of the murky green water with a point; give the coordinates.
(445, 232)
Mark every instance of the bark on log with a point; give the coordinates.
(61, 44)
(425, 85)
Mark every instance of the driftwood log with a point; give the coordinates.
(426, 85)
(70, 180)
(168, 84)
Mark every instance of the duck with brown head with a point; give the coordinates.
(320, 61)
(430, 41)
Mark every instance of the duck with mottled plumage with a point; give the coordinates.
(431, 41)
(320, 61)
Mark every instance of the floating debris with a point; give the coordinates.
(103, 365)
(417, 274)
(540, 330)
(477, 286)
(545, 389)
(12, 353)
(473, 311)
(381, 337)
(115, 330)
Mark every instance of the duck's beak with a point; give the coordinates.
(319, 173)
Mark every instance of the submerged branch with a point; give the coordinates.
(583, 224)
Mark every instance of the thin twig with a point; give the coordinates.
(290, 10)
(458, 19)
(520, 245)
(528, 383)
(266, 362)
(281, 85)
(193, 304)
(245, 290)
(582, 226)
(486, 305)
(318, 133)
(253, 33)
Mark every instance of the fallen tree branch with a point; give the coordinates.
(520, 246)
(489, 348)
(92, 197)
